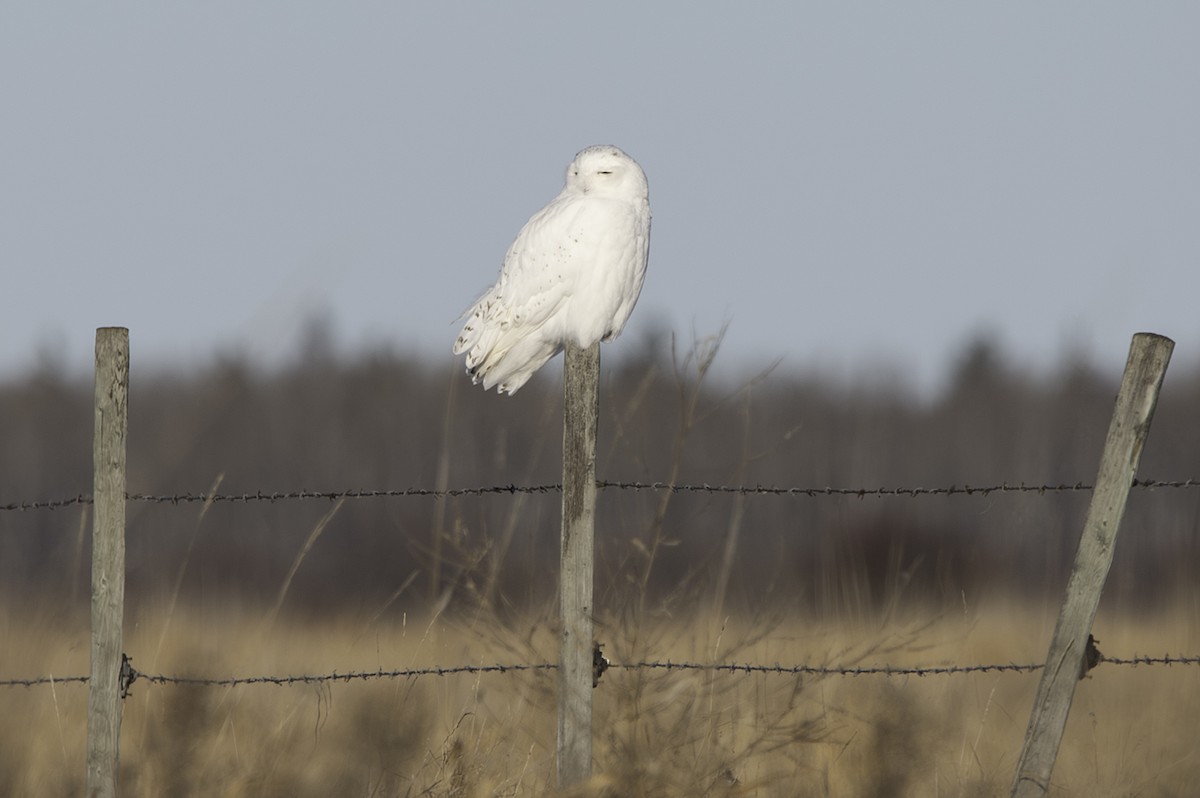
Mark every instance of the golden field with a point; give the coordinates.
(224, 589)
(657, 732)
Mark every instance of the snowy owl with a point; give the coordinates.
(573, 273)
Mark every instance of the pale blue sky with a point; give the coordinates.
(852, 186)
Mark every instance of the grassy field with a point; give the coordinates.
(201, 581)
(657, 732)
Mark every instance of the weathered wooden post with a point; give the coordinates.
(108, 560)
(1148, 358)
(581, 407)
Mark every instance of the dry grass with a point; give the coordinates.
(657, 733)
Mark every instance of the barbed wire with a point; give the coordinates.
(40, 680)
(348, 676)
(754, 490)
(967, 490)
(836, 670)
(277, 496)
(134, 675)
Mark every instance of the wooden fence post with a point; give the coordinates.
(108, 560)
(581, 404)
(1148, 358)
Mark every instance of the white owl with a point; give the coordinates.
(572, 275)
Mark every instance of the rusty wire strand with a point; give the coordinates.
(754, 490)
(719, 667)
(40, 680)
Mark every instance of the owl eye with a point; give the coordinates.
(604, 172)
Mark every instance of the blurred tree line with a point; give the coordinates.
(380, 420)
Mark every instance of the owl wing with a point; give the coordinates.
(573, 273)
(506, 337)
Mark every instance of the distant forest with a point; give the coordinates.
(381, 421)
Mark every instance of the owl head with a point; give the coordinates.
(606, 171)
